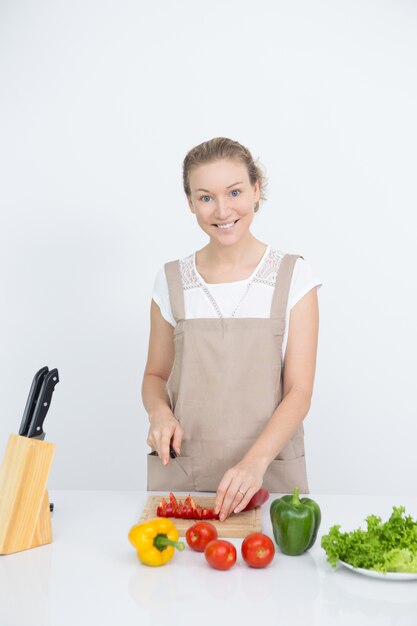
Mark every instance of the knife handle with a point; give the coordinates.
(42, 406)
(32, 399)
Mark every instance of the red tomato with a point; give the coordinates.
(220, 554)
(198, 535)
(258, 550)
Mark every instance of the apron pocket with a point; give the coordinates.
(283, 475)
(176, 476)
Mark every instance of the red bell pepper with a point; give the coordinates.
(258, 498)
(190, 510)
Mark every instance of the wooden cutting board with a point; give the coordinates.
(236, 525)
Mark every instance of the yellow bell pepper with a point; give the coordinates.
(155, 541)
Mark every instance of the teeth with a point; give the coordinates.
(225, 225)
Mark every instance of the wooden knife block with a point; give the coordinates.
(25, 518)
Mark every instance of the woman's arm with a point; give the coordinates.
(163, 424)
(298, 380)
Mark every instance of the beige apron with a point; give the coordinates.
(225, 383)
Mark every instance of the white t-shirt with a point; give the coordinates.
(257, 301)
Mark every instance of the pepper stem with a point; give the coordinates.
(295, 497)
(161, 542)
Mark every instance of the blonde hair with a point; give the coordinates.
(223, 148)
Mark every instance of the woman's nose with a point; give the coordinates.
(222, 208)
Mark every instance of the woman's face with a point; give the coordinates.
(221, 193)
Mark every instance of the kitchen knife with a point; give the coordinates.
(42, 405)
(32, 399)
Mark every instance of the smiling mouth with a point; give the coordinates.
(225, 226)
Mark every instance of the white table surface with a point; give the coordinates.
(90, 575)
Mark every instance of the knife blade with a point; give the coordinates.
(32, 400)
(43, 404)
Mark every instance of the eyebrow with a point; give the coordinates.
(240, 182)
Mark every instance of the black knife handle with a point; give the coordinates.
(42, 406)
(32, 399)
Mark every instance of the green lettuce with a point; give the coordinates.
(385, 547)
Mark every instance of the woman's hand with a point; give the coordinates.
(237, 487)
(163, 428)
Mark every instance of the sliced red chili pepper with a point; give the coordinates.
(188, 501)
(173, 499)
(162, 508)
(178, 510)
(198, 511)
(186, 509)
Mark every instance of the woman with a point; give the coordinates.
(223, 323)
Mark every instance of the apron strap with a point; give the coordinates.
(282, 286)
(175, 288)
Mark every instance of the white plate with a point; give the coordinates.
(374, 574)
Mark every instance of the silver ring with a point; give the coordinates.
(243, 494)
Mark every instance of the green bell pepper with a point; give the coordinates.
(295, 523)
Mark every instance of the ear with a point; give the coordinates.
(257, 191)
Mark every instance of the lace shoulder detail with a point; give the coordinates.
(189, 277)
(267, 273)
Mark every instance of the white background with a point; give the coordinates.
(99, 104)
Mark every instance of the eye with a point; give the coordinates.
(237, 191)
(202, 198)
